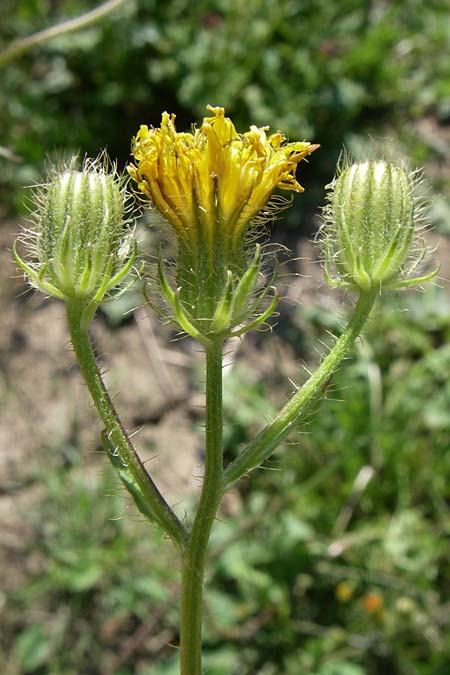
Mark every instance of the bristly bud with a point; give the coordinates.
(81, 245)
(372, 225)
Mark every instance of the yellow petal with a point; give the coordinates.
(213, 177)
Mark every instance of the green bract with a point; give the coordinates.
(371, 225)
(80, 245)
(230, 305)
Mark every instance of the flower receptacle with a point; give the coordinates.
(236, 304)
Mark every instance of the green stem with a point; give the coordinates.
(193, 559)
(23, 45)
(157, 505)
(274, 432)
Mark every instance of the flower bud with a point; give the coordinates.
(81, 246)
(371, 225)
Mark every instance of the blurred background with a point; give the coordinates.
(335, 561)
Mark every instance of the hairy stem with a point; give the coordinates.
(274, 432)
(156, 503)
(194, 553)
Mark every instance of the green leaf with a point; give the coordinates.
(34, 648)
(340, 668)
(80, 577)
(127, 478)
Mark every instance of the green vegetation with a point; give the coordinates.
(346, 571)
(326, 71)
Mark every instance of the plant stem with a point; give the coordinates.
(274, 432)
(23, 45)
(157, 505)
(194, 553)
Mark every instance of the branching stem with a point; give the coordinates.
(193, 544)
(274, 432)
(157, 505)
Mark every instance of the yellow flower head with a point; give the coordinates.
(210, 184)
(213, 181)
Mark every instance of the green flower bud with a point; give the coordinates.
(81, 244)
(371, 225)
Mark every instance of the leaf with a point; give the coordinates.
(34, 648)
(127, 478)
(80, 577)
(340, 668)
